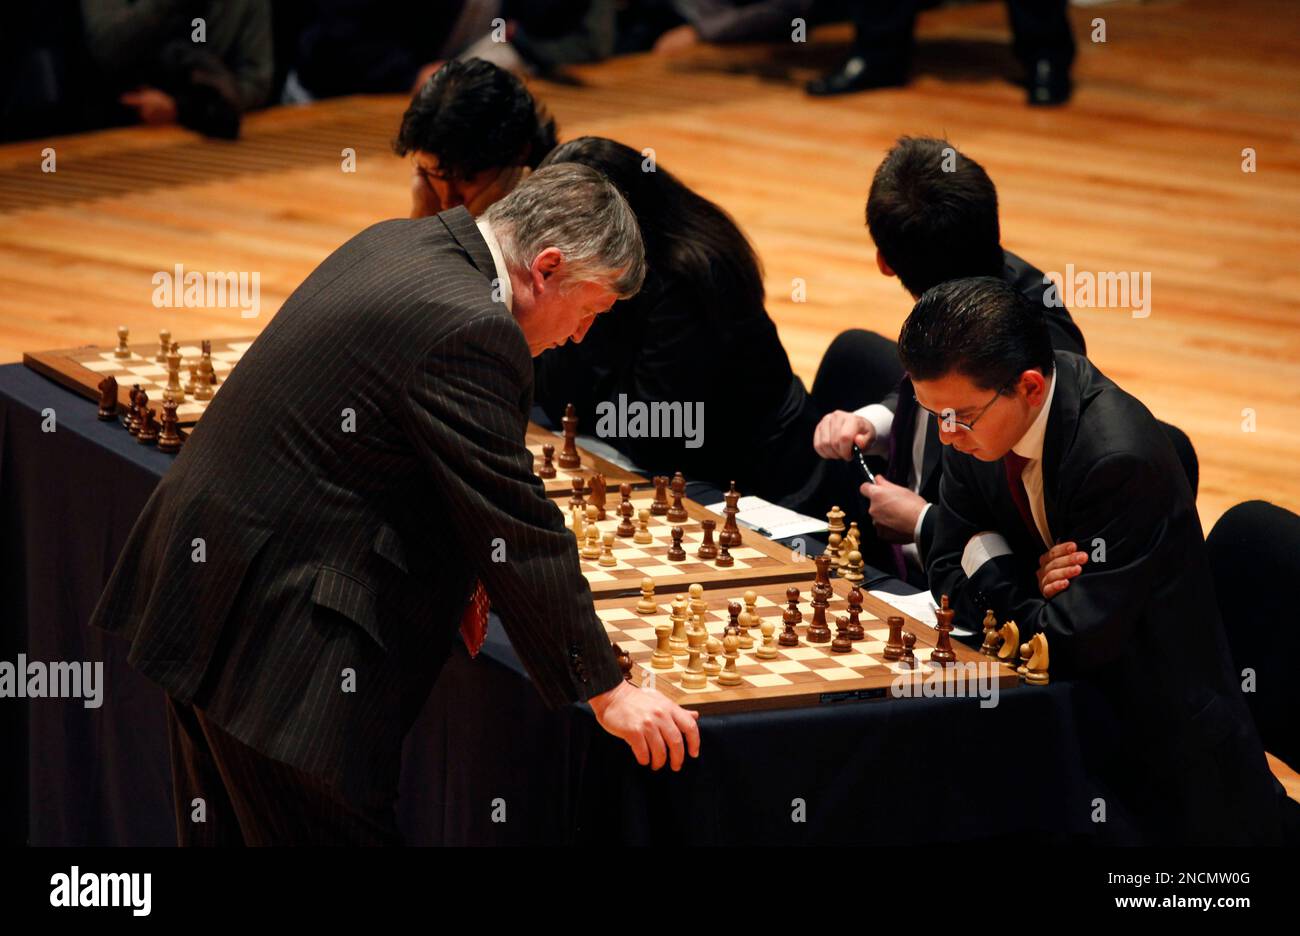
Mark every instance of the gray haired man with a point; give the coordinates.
(355, 497)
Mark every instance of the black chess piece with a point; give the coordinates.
(894, 645)
(577, 500)
(943, 654)
(708, 549)
(791, 617)
(625, 526)
(659, 506)
(856, 630)
(677, 512)
(548, 462)
(842, 642)
(908, 658)
(675, 552)
(108, 398)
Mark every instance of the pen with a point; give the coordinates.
(862, 463)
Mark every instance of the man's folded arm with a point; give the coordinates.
(463, 407)
(1112, 517)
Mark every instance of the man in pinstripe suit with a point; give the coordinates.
(296, 580)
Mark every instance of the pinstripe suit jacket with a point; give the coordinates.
(301, 570)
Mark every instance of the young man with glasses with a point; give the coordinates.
(1063, 507)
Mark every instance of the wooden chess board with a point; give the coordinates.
(81, 370)
(562, 484)
(756, 560)
(806, 675)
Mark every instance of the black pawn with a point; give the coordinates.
(675, 551)
(842, 642)
(626, 527)
(790, 617)
(909, 655)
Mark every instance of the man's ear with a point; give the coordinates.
(545, 264)
(1035, 386)
(885, 268)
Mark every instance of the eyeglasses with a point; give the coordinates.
(967, 426)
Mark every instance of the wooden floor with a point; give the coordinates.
(1142, 172)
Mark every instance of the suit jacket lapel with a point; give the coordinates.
(900, 436)
(465, 230)
(933, 452)
(1062, 422)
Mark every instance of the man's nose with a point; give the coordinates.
(583, 327)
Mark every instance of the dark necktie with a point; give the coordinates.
(1015, 466)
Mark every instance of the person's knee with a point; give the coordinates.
(858, 344)
(858, 367)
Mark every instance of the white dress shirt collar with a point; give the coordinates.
(499, 261)
(1030, 445)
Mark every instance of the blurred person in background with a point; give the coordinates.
(473, 132)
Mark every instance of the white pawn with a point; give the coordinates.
(607, 554)
(680, 639)
(729, 675)
(647, 603)
(643, 535)
(711, 664)
(767, 650)
(592, 548)
(745, 641)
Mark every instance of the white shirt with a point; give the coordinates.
(499, 261)
(985, 546)
(882, 420)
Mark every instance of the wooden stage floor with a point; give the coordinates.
(1142, 173)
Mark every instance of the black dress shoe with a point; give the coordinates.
(1049, 83)
(856, 74)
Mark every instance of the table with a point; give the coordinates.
(905, 772)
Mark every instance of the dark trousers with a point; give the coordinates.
(884, 28)
(858, 368)
(248, 798)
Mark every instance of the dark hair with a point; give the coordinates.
(933, 214)
(686, 236)
(980, 327)
(473, 116)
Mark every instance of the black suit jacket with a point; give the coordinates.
(1028, 280)
(1142, 624)
(360, 468)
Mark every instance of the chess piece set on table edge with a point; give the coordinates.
(1003, 644)
(592, 546)
(138, 418)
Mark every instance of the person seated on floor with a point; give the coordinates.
(201, 65)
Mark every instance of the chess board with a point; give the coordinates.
(81, 370)
(562, 484)
(756, 560)
(806, 675)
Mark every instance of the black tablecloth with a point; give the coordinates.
(486, 762)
